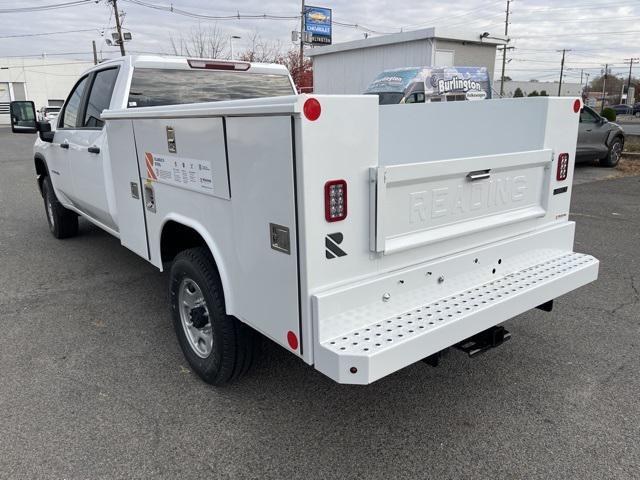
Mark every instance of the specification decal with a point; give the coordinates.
(183, 172)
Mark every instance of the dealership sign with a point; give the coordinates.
(317, 22)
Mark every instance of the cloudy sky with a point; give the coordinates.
(596, 32)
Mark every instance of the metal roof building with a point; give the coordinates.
(46, 81)
(350, 66)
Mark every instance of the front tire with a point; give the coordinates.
(63, 223)
(218, 347)
(615, 152)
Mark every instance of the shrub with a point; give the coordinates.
(609, 114)
(518, 93)
(543, 93)
(534, 94)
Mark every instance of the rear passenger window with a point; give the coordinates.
(70, 114)
(100, 97)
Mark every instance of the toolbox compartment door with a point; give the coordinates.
(424, 203)
(128, 187)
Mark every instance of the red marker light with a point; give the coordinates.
(292, 339)
(312, 109)
(577, 105)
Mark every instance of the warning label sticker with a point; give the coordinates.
(184, 172)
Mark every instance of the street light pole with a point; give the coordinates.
(586, 84)
(301, 54)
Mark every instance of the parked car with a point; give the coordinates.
(636, 109)
(49, 114)
(622, 109)
(599, 139)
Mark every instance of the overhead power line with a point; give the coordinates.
(53, 6)
(187, 13)
(45, 65)
(576, 34)
(578, 6)
(44, 55)
(20, 35)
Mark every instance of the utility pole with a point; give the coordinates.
(562, 69)
(95, 53)
(504, 49)
(630, 60)
(301, 55)
(604, 84)
(586, 85)
(118, 26)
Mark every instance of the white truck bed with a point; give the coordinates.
(457, 217)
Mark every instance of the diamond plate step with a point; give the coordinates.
(490, 303)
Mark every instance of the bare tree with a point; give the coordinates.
(201, 42)
(302, 74)
(261, 50)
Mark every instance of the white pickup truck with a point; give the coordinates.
(362, 238)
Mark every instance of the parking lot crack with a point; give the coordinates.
(636, 300)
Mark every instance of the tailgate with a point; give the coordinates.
(424, 203)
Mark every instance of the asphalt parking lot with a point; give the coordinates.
(93, 383)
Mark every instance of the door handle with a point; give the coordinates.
(64, 145)
(588, 129)
(149, 197)
(479, 175)
(93, 150)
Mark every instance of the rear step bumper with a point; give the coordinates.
(389, 344)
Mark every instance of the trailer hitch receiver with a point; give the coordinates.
(483, 341)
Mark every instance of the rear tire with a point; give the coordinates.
(615, 152)
(218, 347)
(63, 223)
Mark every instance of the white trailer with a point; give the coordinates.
(361, 238)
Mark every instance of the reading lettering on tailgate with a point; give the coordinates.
(429, 202)
(458, 200)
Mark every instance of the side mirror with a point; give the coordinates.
(23, 117)
(44, 129)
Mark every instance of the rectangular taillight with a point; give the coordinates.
(335, 200)
(563, 167)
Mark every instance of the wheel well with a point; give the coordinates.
(176, 238)
(41, 171)
(617, 135)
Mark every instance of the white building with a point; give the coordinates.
(45, 81)
(349, 67)
(551, 88)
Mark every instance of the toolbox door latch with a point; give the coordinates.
(280, 238)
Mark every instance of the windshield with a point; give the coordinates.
(388, 98)
(155, 86)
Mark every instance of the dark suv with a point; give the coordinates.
(599, 139)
